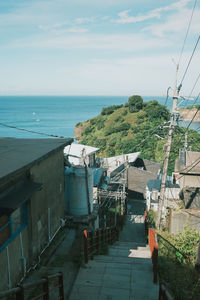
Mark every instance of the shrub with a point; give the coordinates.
(123, 126)
(110, 151)
(119, 119)
(124, 112)
(116, 129)
(100, 124)
(154, 110)
(88, 129)
(93, 121)
(100, 143)
(110, 109)
(113, 141)
(124, 133)
(151, 218)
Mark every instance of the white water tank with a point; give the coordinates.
(78, 189)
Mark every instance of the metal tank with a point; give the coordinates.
(76, 192)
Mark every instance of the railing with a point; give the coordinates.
(178, 278)
(153, 245)
(47, 289)
(95, 241)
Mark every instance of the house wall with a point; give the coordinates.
(179, 219)
(172, 193)
(11, 259)
(47, 204)
(189, 180)
(46, 207)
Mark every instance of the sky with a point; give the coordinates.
(101, 47)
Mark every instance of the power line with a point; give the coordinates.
(194, 85)
(32, 131)
(187, 128)
(193, 165)
(194, 114)
(189, 62)
(188, 28)
(192, 91)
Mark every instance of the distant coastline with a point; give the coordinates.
(187, 114)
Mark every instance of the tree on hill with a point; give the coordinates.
(135, 103)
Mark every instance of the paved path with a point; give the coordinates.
(126, 273)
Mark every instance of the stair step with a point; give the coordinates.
(123, 247)
(118, 259)
(130, 244)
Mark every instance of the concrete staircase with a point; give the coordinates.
(124, 274)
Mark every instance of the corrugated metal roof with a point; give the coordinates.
(75, 152)
(77, 149)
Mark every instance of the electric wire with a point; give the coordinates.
(32, 131)
(189, 61)
(198, 179)
(190, 94)
(188, 28)
(187, 128)
(194, 85)
(198, 108)
(192, 167)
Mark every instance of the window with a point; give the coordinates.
(12, 224)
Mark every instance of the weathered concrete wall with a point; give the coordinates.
(189, 180)
(11, 257)
(49, 172)
(172, 193)
(191, 197)
(3, 270)
(179, 219)
(47, 204)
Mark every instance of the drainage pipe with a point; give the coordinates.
(22, 254)
(8, 260)
(49, 224)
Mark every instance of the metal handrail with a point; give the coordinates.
(171, 245)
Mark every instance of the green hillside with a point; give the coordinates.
(134, 126)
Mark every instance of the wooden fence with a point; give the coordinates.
(95, 241)
(47, 289)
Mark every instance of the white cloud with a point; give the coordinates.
(125, 18)
(70, 30)
(115, 42)
(84, 20)
(176, 23)
(156, 13)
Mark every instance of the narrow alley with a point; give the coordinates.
(126, 272)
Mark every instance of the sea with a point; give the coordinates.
(46, 116)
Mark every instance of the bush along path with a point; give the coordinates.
(126, 271)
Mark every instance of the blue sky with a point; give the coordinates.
(101, 47)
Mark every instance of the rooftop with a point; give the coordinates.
(78, 149)
(15, 154)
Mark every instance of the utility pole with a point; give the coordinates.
(173, 123)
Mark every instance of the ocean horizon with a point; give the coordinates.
(57, 115)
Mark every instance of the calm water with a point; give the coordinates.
(54, 114)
